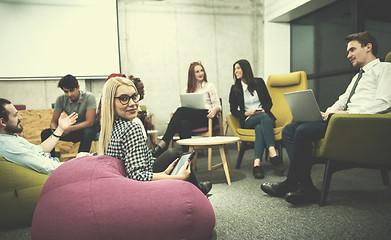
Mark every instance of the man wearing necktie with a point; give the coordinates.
(369, 92)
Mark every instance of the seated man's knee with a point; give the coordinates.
(305, 131)
(89, 132)
(45, 134)
(289, 130)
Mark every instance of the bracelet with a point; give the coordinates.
(56, 135)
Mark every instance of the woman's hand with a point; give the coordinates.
(185, 171)
(212, 112)
(65, 123)
(249, 113)
(171, 167)
(253, 112)
(83, 154)
(325, 115)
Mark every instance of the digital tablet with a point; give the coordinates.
(182, 160)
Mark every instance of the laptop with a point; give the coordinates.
(303, 106)
(193, 100)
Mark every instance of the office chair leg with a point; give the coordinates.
(384, 176)
(326, 183)
(240, 156)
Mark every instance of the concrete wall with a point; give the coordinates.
(160, 39)
(40, 94)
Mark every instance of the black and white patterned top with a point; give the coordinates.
(128, 144)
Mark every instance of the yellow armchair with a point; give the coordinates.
(388, 57)
(19, 193)
(354, 140)
(278, 85)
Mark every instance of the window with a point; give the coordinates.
(318, 46)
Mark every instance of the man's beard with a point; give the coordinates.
(14, 129)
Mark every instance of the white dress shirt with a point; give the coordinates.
(251, 102)
(373, 92)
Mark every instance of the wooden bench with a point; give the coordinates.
(34, 121)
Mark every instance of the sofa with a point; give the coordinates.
(90, 198)
(19, 193)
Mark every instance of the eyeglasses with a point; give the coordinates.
(124, 99)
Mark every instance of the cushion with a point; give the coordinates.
(205, 129)
(20, 106)
(19, 193)
(284, 80)
(90, 198)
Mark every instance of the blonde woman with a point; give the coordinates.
(123, 139)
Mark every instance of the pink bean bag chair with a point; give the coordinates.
(90, 198)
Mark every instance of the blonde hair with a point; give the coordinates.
(107, 114)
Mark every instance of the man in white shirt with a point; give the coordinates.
(18, 150)
(369, 92)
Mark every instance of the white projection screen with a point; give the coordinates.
(51, 38)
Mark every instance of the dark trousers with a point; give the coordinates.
(183, 121)
(298, 138)
(85, 136)
(165, 159)
(264, 133)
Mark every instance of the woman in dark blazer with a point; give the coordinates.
(250, 102)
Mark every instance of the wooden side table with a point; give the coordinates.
(219, 142)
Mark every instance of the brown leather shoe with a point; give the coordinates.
(304, 194)
(278, 189)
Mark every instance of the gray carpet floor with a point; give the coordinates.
(358, 206)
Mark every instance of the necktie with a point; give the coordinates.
(354, 88)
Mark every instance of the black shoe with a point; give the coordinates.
(158, 151)
(304, 194)
(258, 172)
(278, 189)
(277, 164)
(205, 187)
